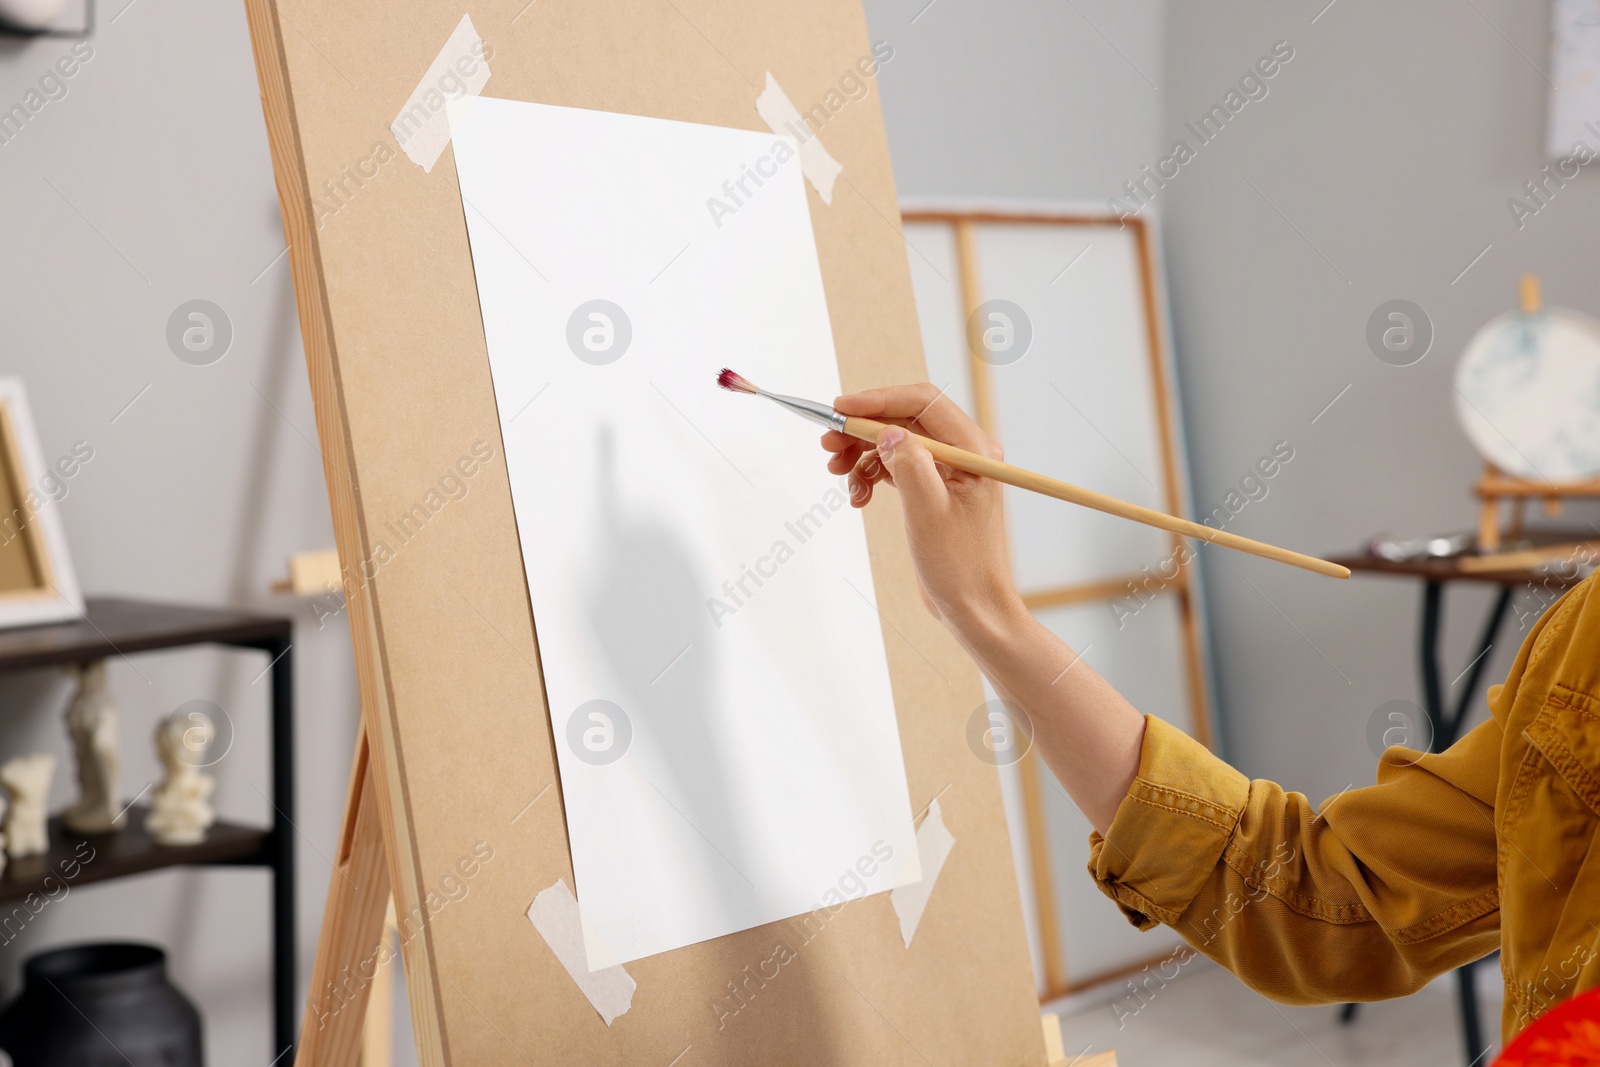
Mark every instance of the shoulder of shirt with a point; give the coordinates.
(1561, 651)
(1568, 640)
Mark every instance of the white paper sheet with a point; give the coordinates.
(704, 607)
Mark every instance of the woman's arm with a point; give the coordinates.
(1086, 732)
(1368, 897)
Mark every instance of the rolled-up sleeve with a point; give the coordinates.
(1370, 897)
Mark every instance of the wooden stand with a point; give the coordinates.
(353, 959)
(352, 930)
(1495, 488)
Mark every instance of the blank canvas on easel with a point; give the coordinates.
(701, 592)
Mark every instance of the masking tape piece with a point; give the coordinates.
(934, 842)
(783, 118)
(554, 913)
(460, 69)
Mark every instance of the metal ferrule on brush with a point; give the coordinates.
(808, 409)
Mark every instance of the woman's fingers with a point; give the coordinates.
(927, 407)
(867, 472)
(919, 408)
(846, 451)
(923, 493)
(843, 462)
(834, 441)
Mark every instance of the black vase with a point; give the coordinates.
(100, 1005)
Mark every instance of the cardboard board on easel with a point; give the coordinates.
(355, 1026)
(458, 753)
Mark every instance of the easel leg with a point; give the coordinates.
(1056, 1054)
(350, 951)
(377, 1034)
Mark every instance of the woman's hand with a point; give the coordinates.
(1089, 735)
(954, 522)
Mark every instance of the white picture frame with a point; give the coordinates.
(37, 582)
(1574, 87)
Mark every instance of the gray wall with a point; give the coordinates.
(148, 184)
(1387, 149)
(1032, 101)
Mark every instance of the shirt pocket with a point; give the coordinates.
(1547, 829)
(1548, 858)
(1567, 734)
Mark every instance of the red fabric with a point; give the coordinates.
(1565, 1036)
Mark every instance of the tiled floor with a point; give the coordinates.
(1208, 1019)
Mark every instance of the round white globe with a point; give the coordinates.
(1528, 394)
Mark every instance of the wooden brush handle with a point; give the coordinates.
(972, 463)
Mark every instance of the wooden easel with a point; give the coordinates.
(354, 927)
(456, 735)
(1497, 491)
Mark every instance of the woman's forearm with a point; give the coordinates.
(955, 528)
(1087, 733)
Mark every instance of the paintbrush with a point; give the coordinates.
(959, 458)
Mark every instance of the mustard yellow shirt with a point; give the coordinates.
(1489, 844)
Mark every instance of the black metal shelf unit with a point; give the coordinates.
(117, 627)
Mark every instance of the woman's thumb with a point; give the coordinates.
(912, 466)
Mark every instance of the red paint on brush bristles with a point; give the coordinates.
(729, 380)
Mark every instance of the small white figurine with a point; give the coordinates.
(92, 725)
(180, 809)
(28, 779)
